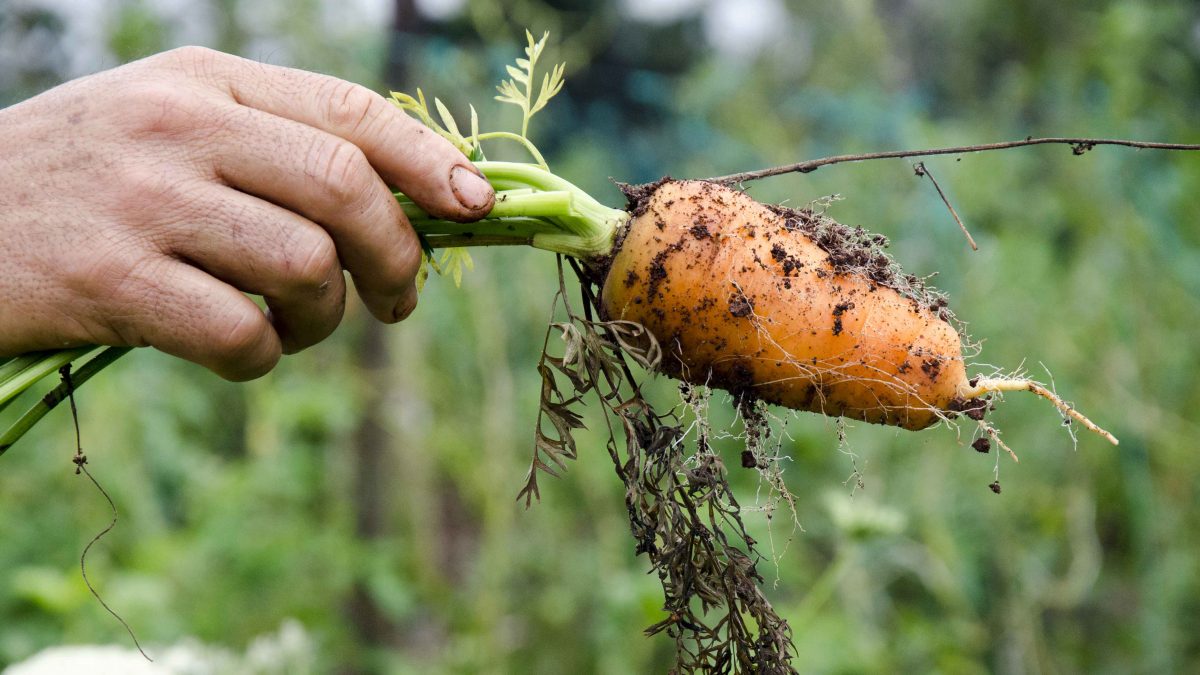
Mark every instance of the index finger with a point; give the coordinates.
(405, 153)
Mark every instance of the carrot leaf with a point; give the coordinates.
(522, 90)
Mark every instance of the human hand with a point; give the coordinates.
(138, 205)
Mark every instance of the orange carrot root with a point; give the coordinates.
(1000, 384)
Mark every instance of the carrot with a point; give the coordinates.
(793, 308)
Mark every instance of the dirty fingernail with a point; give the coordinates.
(471, 190)
(406, 305)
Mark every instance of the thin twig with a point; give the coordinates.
(921, 170)
(1078, 147)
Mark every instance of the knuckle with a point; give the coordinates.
(161, 108)
(352, 107)
(317, 263)
(192, 59)
(190, 53)
(149, 197)
(342, 172)
(240, 336)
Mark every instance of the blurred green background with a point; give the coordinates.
(366, 488)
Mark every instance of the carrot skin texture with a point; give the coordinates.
(741, 302)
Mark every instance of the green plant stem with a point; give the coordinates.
(39, 365)
(512, 227)
(464, 240)
(533, 207)
(516, 138)
(58, 394)
(512, 204)
(15, 366)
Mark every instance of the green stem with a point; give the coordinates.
(41, 365)
(463, 240)
(511, 204)
(513, 227)
(516, 138)
(57, 395)
(555, 215)
(15, 366)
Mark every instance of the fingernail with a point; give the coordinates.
(406, 305)
(471, 189)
